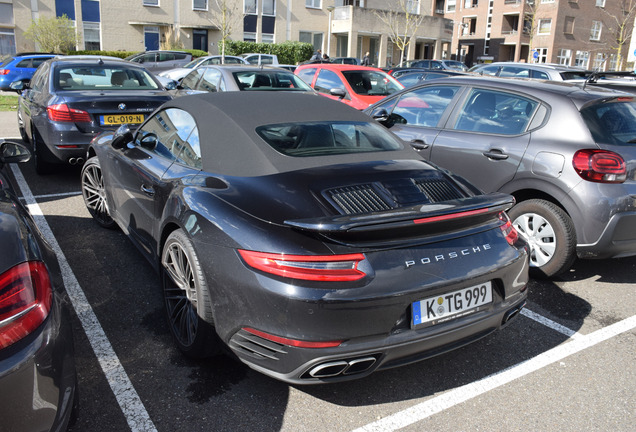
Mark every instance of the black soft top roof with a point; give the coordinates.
(227, 123)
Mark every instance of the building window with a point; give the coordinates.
(7, 40)
(545, 25)
(543, 55)
(547, 1)
(311, 37)
(150, 2)
(582, 59)
(201, 5)
(450, 6)
(250, 7)
(568, 25)
(599, 62)
(600, 3)
(564, 57)
(313, 4)
(6, 14)
(613, 63)
(595, 34)
(470, 4)
(91, 36)
(249, 37)
(267, 38)
(64, 7)
(269, 7)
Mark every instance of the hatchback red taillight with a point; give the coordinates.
(62, 113)
(25, 300)
(323, 268)
(4, 71)
(600, 166)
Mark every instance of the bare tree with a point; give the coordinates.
(402, 23)
(620, 25)
(531, 23)
(225, 16)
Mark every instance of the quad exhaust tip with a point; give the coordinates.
(342, 367)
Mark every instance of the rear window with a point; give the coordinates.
(5, 61)
(612, 122)
(371, 83)
(266, 80)
(323, 139)
(89, 77)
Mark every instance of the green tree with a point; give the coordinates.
(53, 34)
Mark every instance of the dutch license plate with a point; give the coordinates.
(119, 119)
(451, 305)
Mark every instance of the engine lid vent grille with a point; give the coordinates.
(438, 190)
(358, 199)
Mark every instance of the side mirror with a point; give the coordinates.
(122, 137)
(13, 152)
(18, 86)
(340, 92)
(381, 115)
(171, 85)
(149, 141)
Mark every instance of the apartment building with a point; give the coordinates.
(340, 28)
(582, 33)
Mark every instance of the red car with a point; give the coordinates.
(358, 86)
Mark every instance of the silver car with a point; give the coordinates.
(541, 71)
(567, 154)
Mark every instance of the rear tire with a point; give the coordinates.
(23, 133)
(186, 298)
(550, 234)
(94, 193)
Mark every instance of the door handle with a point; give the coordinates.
(419, 144)
(147, 190)
(496, 155)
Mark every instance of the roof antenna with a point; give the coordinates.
(100, 62)
(594, 76)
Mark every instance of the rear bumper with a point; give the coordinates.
(617, 240)
(37, 378)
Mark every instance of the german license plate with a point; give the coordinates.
(119, 119)
(451, 305)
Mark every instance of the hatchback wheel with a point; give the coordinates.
(94, 193)
(550, 234)
(186, 298)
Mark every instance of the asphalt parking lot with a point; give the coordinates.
(567, 364)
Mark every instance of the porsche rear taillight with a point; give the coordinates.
(509, 231)
(600, 166)
(62, 113)
(25, 300)
(323, 268)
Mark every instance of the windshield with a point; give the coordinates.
(193, 63)
(269, 80)
(371, 83)
(95, 77)
(322, 138)
(612, 122)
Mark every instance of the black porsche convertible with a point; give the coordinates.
(304, 236)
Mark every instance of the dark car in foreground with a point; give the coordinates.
(37, 366)
(566, 153)
(70, 100)
(306, 238)
(240, 78)
(20, 67)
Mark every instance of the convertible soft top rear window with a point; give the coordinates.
(322, 139)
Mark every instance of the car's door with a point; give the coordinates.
(328, 80)
(33, 103)
(134, 174)
(486, 137)
(417, 116)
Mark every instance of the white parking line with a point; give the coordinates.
(551, 324)
(126, 395)
(454, 397)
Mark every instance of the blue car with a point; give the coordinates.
(20, 67)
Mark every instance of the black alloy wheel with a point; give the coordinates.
(186, 298)
(94, 193)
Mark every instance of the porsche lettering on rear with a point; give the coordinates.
(449, 255)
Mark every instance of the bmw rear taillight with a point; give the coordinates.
(600, 166)
(62, 113)
(323, 268)
(4, 71)
(509, 231)
(25, 301)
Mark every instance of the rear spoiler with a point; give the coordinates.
(466, 211)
